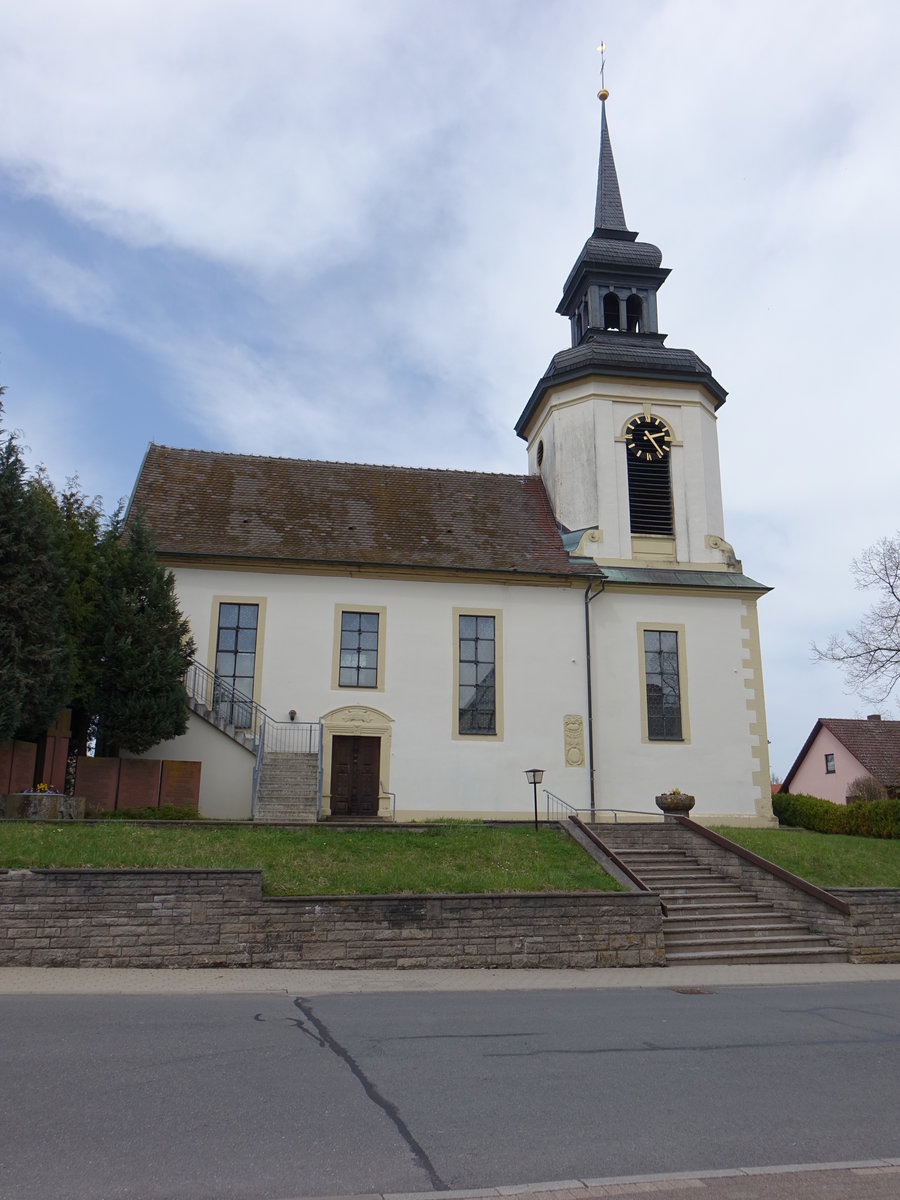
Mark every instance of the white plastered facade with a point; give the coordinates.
(581, 428)
(434, 771)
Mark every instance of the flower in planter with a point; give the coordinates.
(46, 789)
(675, 801)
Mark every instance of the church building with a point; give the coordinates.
(392, 642)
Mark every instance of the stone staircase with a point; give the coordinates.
(243, 737)
(288, 787)
(713, 917)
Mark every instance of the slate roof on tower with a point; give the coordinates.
(612, 259)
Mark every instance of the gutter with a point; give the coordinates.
(601, 579)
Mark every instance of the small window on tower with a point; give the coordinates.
(540, 453)
(610, 311)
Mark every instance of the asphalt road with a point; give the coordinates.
(264, 1097)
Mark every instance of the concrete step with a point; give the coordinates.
(719, 941)
(749, 957)
(714, 924)
(738, 907)
(711, 895)
(685, 879)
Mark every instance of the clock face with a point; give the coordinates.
(647, 438)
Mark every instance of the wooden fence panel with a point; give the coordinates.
(180, 784)
(97, 779)
(138, 783)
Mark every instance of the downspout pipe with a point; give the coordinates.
(589, 595)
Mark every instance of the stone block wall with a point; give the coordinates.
(150, 918)
(873, 927)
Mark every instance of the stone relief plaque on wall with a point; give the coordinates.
(573, 734)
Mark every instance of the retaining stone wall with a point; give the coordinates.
(872, 930)
(149, 918)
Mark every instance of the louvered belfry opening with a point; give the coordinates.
(650, 495)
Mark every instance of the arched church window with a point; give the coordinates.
(634, 314)
(648, 445)
(610, 311)
(540, 453)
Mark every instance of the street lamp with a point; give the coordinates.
(534, 777)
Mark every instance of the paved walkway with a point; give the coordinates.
(303, 982)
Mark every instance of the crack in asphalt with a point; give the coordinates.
(298, 1023)
(327, 1041)
(711, 1048)
(848, 1018)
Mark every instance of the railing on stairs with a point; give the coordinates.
(286, 737)
(224, 703)
(560, 810)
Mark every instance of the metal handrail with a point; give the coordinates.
(562, 809)
(558, 809)
(257, 766)
(292, 737)
(224, 702)
(393, 795)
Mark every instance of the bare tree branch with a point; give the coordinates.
(870, 654)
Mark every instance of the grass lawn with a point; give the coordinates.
(317, 861)
(826, 859)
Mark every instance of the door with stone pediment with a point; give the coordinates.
(355, 763)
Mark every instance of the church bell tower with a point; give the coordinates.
(622, 428)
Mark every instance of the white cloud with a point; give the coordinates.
(342, 230)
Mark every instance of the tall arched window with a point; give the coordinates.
(610, 311)
(648, 445)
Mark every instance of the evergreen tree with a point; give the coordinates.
(80, 522)
(140, 643)
(34, 647)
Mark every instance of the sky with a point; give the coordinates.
(341, 231)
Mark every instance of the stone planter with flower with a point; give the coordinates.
(675, 803)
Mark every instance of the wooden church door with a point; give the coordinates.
(355, 763)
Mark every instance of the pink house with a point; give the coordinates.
(838, 751)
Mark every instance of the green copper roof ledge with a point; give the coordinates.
(669, 577)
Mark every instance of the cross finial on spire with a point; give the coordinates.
(603, 93)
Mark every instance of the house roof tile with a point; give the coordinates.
(874, 743)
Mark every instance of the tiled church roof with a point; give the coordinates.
(202, 504)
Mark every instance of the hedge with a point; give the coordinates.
(877, 818)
